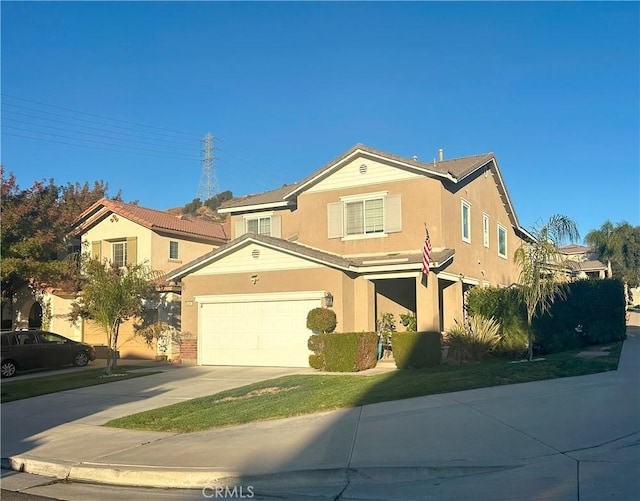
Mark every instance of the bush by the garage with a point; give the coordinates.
(593, 313)
(415, 350)
(321, 320)
(344, 352)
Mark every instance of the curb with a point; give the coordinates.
(194, 478)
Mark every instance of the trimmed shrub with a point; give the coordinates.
(415, 350)
(593, 313)
(410, 321)
(344, 352)
(321, 320)
(474, 339)
(508, 310)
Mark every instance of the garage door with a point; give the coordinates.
(263, 330)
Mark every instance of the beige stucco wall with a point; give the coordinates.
(187, 252)
(473, 258)
(420, 205)
(424, 201)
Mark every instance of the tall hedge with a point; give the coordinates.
(505, 306)
(344, 352)
(597, 306)
(416, 350)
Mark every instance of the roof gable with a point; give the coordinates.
(452, 170)
(152, 219)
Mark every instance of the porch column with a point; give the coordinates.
(365, 305)
(427, 304)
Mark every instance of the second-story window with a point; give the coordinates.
(364, 217)
(466, 221)
(119, 253)
(369, 215)
(173, 250)
(261, 226)
(485, 229)
(502, 241)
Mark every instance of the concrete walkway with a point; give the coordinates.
(571, 438)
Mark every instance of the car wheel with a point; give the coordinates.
(8, 368)
(82, 359)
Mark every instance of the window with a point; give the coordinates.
(173, 250)
(466, 221)
(268, 224)
(119, 253)
(502, 241)
(485, 229)
(261, 226)
(370, 215)
(364, 217)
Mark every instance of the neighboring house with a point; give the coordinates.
(127, 233)
(583, 262)
(349, 237)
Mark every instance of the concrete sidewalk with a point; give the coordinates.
(571, 438)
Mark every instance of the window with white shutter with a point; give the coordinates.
(364, 216)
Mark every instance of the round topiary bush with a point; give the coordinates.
(321, 320)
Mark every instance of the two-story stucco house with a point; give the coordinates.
(583, 263)
(126, 233)
(350, 237)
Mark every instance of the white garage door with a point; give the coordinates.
(263, 330)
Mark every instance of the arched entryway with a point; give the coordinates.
(35, 316)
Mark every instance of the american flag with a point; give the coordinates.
(426, 253)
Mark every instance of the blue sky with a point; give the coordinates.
(124, 92)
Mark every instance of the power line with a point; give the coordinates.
(48, 128)
(97, 147)
(163, 140)
(191, 134)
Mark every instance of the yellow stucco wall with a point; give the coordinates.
(129, 346)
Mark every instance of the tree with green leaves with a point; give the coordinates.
(35, 226)
(111, 295)
(542, 268)
(619, 245)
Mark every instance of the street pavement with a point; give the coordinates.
(563, 439)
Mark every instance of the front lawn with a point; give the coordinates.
(16, 389)
(296, 395)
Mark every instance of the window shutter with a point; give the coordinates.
(276, 226)
(132, 250)
(96, 250)
(393, 214)
(239, 228)
(334, 220)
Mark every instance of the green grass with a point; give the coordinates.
(16, 389)
(305, 394)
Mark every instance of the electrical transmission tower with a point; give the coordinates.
(208, 185)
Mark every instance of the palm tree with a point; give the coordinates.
(541, 268)
(606, 241)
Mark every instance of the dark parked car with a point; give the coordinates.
(24, 350)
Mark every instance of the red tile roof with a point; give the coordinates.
(155, 220)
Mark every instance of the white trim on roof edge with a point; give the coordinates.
(357, 152)
(246, 208)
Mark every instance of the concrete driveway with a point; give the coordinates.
(564, 439)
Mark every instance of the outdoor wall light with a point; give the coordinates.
(328, 298)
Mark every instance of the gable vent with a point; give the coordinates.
(363, 169)
(255, 254)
